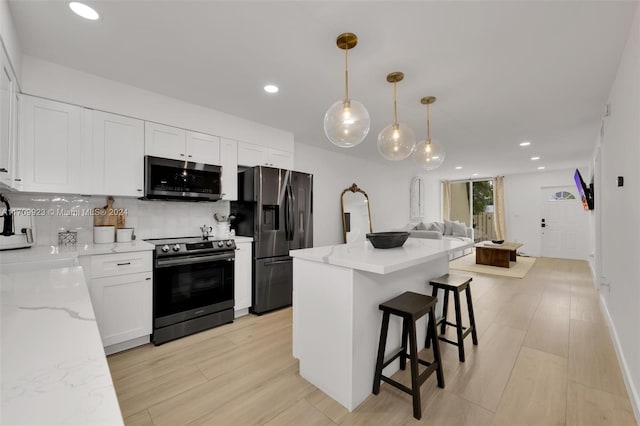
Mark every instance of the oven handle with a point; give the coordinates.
(165, 263)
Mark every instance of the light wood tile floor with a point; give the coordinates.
(545, 357)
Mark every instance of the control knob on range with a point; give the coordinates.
(229, 243)
(165, 248)
(176, 247)
(220, 244)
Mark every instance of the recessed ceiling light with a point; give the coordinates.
(541, 168)
(526, 143)
(474, 174)
(458, 167)
(535, 158)
(270, 88)
(83, 10)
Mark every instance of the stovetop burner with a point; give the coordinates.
(190, 245)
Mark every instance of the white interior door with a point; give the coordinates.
(563, 223)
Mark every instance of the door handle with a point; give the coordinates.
(277, 262)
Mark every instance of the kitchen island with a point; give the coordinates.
(54, 370)
(336, 320)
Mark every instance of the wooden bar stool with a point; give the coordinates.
(410, 307)
(455, 284)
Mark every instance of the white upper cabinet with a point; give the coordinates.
(179, 144)
(202, 148)
(8, 120)
(49, 145)
(113, 155)
(229, 162)
(164, 141)
(256, 155)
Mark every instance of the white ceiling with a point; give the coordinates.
(503, 72)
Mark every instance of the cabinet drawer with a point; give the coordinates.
(108, 265)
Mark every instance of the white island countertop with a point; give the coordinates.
(54, 370)
(363, 256)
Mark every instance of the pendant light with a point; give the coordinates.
(429, 153)
(346, 122)
(396, 141)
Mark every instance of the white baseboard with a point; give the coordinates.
(241, 313)
(626, 374)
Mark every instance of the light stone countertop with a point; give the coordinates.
(54, 369)
(364, 257)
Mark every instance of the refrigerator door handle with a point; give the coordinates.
(289, 218)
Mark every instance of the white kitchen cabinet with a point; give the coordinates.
(256, 155)
(49, 146)
(229, 162)
(203, 148)
(8, 120)
(113, 155)
(179, 144)
(242, 278)
(164, 141)
(121, 289)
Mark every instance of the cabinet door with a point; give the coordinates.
(8, 120)
(49, 145)
(116, 149)
(123, 306)
(203, 148)
(242, 273)
(251, 155)
(164, 141)
(280, 159)
(229, 162)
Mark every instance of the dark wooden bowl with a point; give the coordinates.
(386, 240)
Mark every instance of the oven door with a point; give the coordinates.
(190, 287)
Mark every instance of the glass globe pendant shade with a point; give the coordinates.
(396, 142)
(429, 156)
(346, 123)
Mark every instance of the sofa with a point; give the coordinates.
(443, 230)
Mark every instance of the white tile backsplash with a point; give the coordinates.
(150, 219)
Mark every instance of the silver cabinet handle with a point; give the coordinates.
(181, 155)
(18, 180)
(189, 156)
(3, 170)
(148, 279)
(124, 264)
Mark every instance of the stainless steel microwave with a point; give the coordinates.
(166, 179)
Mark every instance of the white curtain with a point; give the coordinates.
(446, 200)
(498, 207)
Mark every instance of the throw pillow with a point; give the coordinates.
(447, 228)
(420, 227)
(458, 229)
(436, 226)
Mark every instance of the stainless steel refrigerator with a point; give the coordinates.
(275, 208)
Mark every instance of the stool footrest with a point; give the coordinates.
(444, 339)
(431, 367)
(467, 331)
(393, 357)
(400, 386)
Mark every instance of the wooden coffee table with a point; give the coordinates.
(491, 254)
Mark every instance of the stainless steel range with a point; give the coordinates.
(192, 286)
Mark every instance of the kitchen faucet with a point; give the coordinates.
(7, 227)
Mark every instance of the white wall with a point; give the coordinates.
(620, 156)
(49, 80)
(522, 204)
(150, 219)
(10, 39)
(386, 184)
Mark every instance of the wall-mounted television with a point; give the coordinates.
(586, 192)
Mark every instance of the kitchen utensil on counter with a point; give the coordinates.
(67, 238)
(124, 235)
(109, 216)
(21, 228)
(104, 234)
(222, 230)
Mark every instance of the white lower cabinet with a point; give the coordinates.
(242, 278)
(121, 289)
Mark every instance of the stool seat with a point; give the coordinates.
(454, 283)
(410, 307)
(415, 305)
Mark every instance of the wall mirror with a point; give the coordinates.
(416, 199)
(356, 214)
